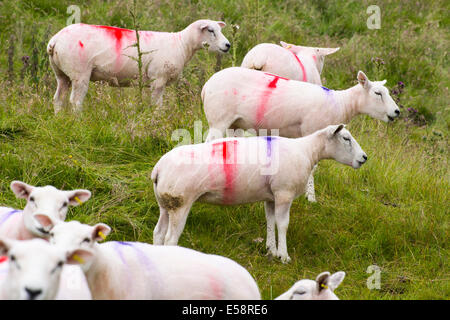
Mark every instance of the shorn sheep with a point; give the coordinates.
(45, 206)
(80, 53)
(226, 172)
(34, 268)
(320, 289)
(136, 270)
(240, 98)
(288, 60)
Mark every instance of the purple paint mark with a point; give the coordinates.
(269, 140)
(7, 216)
(119, 251)
(326, 89)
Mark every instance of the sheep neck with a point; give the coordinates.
(349, 102)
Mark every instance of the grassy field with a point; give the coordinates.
(393, 212)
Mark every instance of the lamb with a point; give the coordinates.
(288, 60)
(80, 53)
(136, 270)
(321, 289)
(45, 206)
(227, 172)
(34, 269)
(240, 98)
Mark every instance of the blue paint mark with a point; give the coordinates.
(269, 140)
(326, 89)
(8, 215)
(125, 243)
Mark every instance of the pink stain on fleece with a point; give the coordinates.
(262, 108)
(226, 150)
(81, 44)
(116, 34)
(301, 66)
(216, 287)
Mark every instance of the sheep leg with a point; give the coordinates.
(177, 221)
(282, 207)
(79, 89)
(218, 130)
(63, 84)
(270, 218)
(310, 192)
(161, 227)
(158, 92)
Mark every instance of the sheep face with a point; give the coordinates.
(376, 100)
(73, 235)
(35, 268)
(344, 148)
(46, 205)
(212, 37)
(320, 289)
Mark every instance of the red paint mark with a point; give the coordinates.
(81, 44)
(235, 92)
(315, 58)
(261, 111)
(3, 259)
(216, 287)
(227, 151)
(301, 66)
(116, 34)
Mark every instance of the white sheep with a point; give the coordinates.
(241, 98)
(80, 53)
(320, 289)
(45, 206)
(34, 268)
(136, 270)
(227, 172)
(288, 60)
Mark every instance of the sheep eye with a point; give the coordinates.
(86, 240)
(300, 292)
(212, 31)
(32, 199)
(64, 204)
(12, 258)
(60, 264)
(346, 139)
(52, 235)
(378, 93)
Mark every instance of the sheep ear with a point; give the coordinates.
(322, 280)
(363, 80)
(383, 82)
(336, 279)
(5, 246)
(334, 130)
(221, 24)
(45, 221)
(100, 232)
(21, 189)
(284, 44)
(77, 197)
(79, 256)
(326, 51)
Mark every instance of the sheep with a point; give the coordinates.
(80, 53)
(34, 268)
(288, 60)
(320, 289)
(241, 98)
(227, 172)
(136, 270)
(45, 206)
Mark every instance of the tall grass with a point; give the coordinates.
(393, 212)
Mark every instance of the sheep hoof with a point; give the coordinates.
(311, 198)
(284, 259)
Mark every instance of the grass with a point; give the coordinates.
(392, 213)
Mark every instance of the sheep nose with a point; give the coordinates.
(397, 112)
(228, 45)
(33, 293)
(365, 157)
